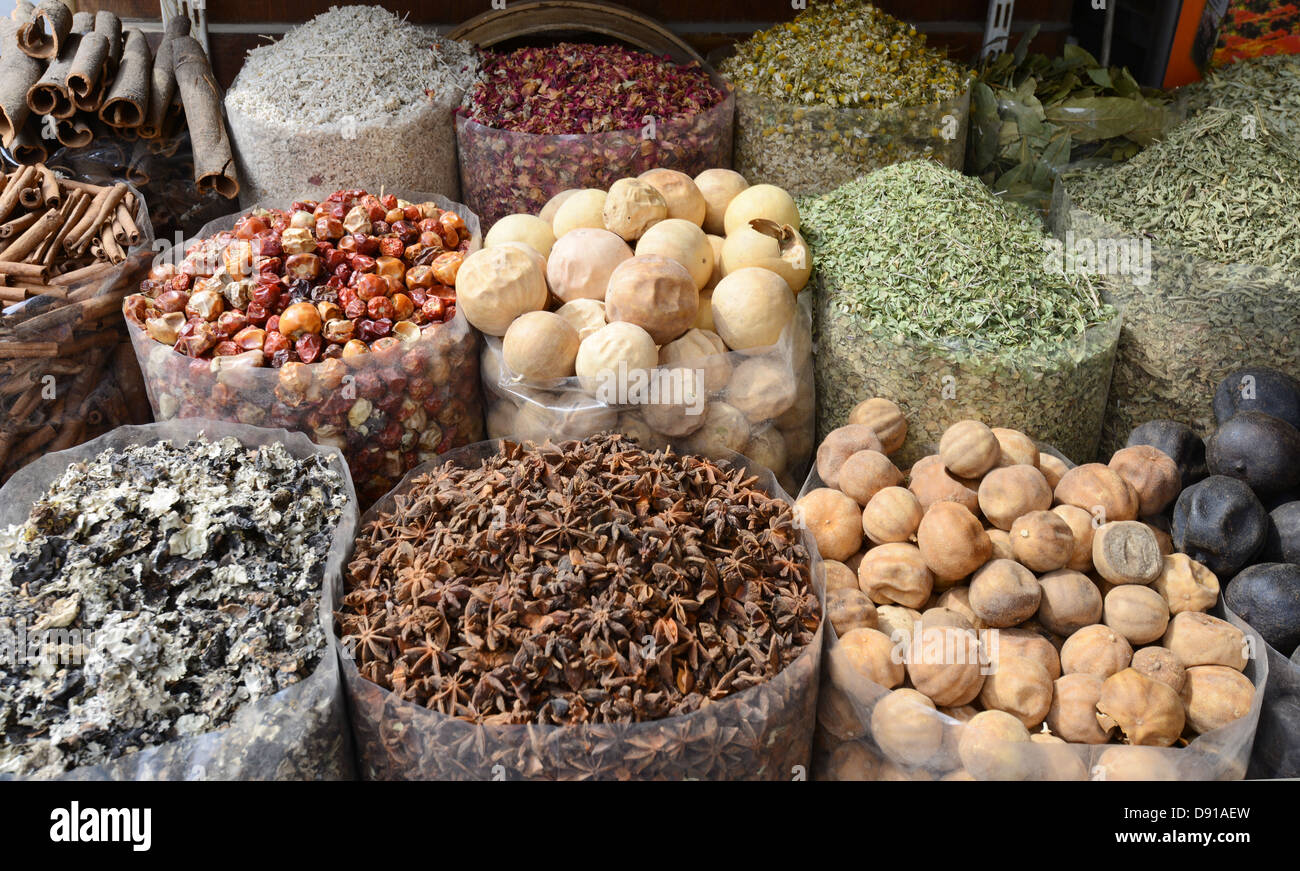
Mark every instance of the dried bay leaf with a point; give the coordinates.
(1094, 118)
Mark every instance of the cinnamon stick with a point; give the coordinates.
(28, 147)
(31, 198)
(24, 270)
(51, 16)
(18, 72)
(48, 223)
(87, 71)
(106, 207)
(15, 186)
(214, 167)
(73, 133)
(80, 204)
(108, 25)
(18, 226)
(49, 96)
(161, 93)
(128, 98)
(77, 276)
(50, 192)
(29, 349)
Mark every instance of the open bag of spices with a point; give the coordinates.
(335, 318)
(1206, 274)
(165, 594)
(935, 294)
(668, 308)
(582, 610)
(999, 614)
(541, 120)
(69, 252)
(840, 90)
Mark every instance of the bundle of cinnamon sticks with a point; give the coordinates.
(67, 371)
(68, 78)
(55, 232)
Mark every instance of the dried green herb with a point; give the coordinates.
(1032, 115)
(1264, 86)
(937, 294)
(1220, 198)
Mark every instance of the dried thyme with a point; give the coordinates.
(155, 590)
(938, 295)
(1220, 198)
(1263, 86)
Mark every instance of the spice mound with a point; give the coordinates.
(578, 88)
(845, 53)
(585, 582)
(336, 279)
(154, 591)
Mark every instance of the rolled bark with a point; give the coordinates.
(83, 22)
(49, 96)
(128, 98)
(87, 72)
(23, 11)
(51, 195)
(162, 93)
(73, 133)
(109, 26)
(53, 16)
(28, 147)
(19, 181)
(214, 167)
(18, 72)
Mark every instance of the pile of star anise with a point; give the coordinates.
(585, 582)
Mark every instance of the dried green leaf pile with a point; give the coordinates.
(1032, 115)
(935, 293)
(1264, 86)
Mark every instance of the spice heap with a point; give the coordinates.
(1032, 115)
(65, 374)
(617, 586)
(1268, 87)
(348, 303)
(671, 315)
(1025, 605)
(532, 89)
(353, 87)
(168, 584)
(635, 110)
(933, 289)
(843, 89)
(1222, 290)
(73, 77)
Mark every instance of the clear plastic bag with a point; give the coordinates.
(387, 413)
(848, 749)
(1277, 740)
(414, 149)
(1188, 322)
(814, 149)
(1056, 396)
(780, 442)
(503, 172)
(86, 383)
(762, 733)
(301, 732)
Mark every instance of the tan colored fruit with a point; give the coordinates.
(944, 663)
(833, 520)
(1126, 552)
(886, 418)
(892, 514)
(1009, 492)
(952, 542)
(1148, 712)
(850, 609)
(683, 196)
(1042, 541)
(932, 484)
(1081, 526)
(994, 746)
(1019, 686)
(1159, 663)
(1097, 650)
(1100, 491)
(866, 473)
(1152, 475)
(1004, 593)
(1073, 713)
(1186, 584)
(1214, 696)
(1070, 601)
(839, 576)
(1201, 639)
(969, 449)
(1016, 448)
(1138, 613)
(895, 574)
(866, 654)
(906, 727)
(838, 446)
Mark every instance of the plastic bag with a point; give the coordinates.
(781, 442)
(848, 748)
(1188, 322)
(88, 383)
(414, 149)
(762, 733)
(813, 149)
(1277, 741)
(300, 733)
(503, 172)
(388, 413)
(1057, 396)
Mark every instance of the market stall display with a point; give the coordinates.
(377, 115)
(940, 296)
(1240, 515)
(336, 318)
(582, 610)
(622, 313)
(541, 120)
(168, 586)
(840, 90)
(69, 252)
(1044, 631)
(1205, 273)
(1032, 116)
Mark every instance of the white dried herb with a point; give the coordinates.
(186, 581)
